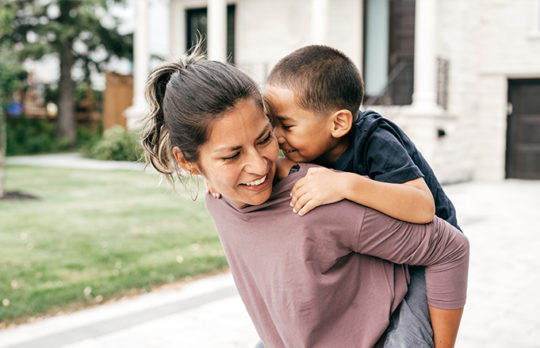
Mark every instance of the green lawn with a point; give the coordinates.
(96, 235)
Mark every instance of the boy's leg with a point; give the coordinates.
(410, 325)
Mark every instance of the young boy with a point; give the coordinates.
(313, 96)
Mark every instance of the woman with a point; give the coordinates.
(329, 279)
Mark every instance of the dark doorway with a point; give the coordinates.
(197, 27)
(523, 129)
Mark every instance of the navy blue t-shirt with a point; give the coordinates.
(382, 151)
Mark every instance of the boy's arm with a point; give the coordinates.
(411, 201)
(445, 324)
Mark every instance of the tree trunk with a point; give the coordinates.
(3, 143)
(66, 124)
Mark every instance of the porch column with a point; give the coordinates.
(217, 30)
(319, 14)
(425, 67)
(177, 24)
(141, 57)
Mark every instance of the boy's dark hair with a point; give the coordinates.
(322, 78)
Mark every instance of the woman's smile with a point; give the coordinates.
(239, 158)
(257, 185)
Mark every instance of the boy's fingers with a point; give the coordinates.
(300, 203)
(307, 208)
(296, 196)
(297, 186)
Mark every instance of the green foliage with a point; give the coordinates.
(74, 31)
(31, 136)
(94, 236)
(26, 136)
(117, 144)
(52, 26)
(11, 75)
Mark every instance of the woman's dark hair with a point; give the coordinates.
(185, 98)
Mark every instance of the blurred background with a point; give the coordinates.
(462, 78)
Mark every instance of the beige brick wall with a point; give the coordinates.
(486, 42)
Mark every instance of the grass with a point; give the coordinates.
(94, 236)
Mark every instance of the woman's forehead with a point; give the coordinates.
(245, 122)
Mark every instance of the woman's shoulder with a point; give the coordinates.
(283, 167)
(286, 167)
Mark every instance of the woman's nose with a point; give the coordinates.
(256, 164)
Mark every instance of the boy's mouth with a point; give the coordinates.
(285, 152)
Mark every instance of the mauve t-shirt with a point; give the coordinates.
(333, 277)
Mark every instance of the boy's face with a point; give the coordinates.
(302, 135)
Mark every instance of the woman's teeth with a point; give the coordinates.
(256, 182)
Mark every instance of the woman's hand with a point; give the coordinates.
(211, 190)
(320, 186)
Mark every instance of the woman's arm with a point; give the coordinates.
(437, 245)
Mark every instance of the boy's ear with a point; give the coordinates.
(183, 163)
(341, 123)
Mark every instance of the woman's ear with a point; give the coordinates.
(184, 163)
(342, 121)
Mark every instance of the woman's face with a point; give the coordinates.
(239, 158)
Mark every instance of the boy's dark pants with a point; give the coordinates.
(410, 325)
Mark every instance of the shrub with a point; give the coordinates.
(30, 136)
(117, 144)
(26, 136)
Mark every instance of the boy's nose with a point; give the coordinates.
(279, 136)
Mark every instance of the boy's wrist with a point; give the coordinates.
(347, 183)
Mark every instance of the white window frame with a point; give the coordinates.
(535, 20)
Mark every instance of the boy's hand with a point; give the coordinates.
(320, 186)
(210, 190)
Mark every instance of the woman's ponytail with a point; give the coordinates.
(155, 136)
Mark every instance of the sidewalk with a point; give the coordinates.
(73, 160)
(207, 313)
(501, 219)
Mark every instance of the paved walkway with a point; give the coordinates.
(73, 160)
(501, 219)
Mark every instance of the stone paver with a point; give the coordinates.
(501, 219)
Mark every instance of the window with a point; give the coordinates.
(197, 24)
(389, 51)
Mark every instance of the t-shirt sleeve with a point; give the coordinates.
(387, 159)
(437, 245)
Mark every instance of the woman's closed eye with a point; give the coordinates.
(228, 158)
(266, 139)
(286, 127)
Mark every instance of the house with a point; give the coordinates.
(461, 77)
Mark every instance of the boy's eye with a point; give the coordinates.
(232, 157)
(285, 127)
